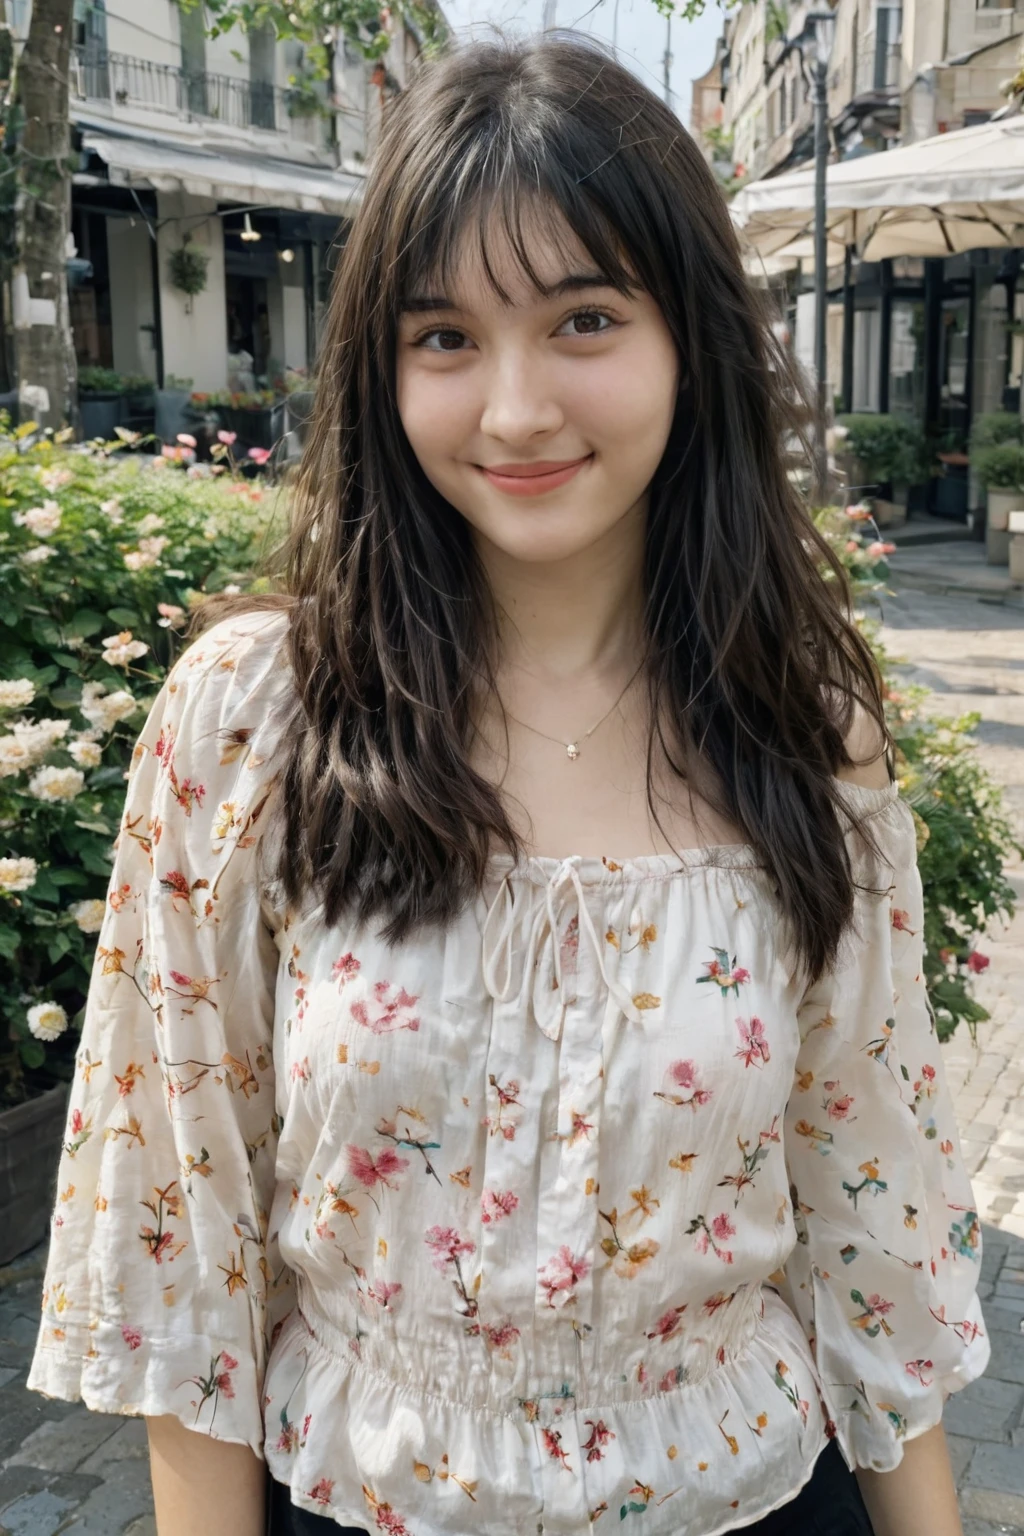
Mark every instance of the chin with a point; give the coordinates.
(540, 537)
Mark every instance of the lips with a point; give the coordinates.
(535, 478)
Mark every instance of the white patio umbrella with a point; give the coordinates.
(946, 194)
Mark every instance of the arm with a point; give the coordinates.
(202, 1485)
(918, 1495)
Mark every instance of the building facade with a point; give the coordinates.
(225, 149)
(936, 341)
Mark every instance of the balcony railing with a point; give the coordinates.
(129, 82)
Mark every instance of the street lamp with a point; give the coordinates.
(819, 35)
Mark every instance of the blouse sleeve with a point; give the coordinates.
(885, 1271)
(162, 1283)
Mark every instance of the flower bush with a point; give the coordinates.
(964, 836)
(102, 554)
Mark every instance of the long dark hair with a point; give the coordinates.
(753, 661)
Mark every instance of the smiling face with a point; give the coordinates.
(542, 419)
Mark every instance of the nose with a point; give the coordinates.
(519, 403)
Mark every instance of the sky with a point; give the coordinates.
(640, 35)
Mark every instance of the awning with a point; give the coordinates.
(950, 193)
(166, 166)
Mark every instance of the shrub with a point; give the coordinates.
(1000, 467)
(964, 836)
(101, 557)
(994, 427)
(889, 448)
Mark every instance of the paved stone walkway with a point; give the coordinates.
(960, 627)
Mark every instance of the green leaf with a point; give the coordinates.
(65, 696)
(32, 1052)
(127, 617)
(86, 622)
(9, 941)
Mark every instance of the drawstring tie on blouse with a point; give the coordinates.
(510, 914)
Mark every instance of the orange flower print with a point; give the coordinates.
(159, 1241)
(195, 987)
(871, 1318)
(627, 1258)
(126, 1081)
(389, 1010)
(553, 1446)
(753, 1051)
(692, 1093)
(723, 973)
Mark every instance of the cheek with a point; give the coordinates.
(627, 404)
(433, 411)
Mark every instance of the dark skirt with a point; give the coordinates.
(829, 1504)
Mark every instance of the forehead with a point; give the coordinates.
(507, 254)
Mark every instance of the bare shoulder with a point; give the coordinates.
(866, 746)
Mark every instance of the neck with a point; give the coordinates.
(564, 621)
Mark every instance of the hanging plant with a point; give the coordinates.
(188, 269)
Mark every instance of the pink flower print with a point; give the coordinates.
(753, 1051)
(667, 1326)
(712, 1236)
(917, 1369)
(301, 1070)
(901, 921)
(389, 1010)
(345, 968)
(977, 962)
(723, 972)
(496, 1204)
(223, 1381)
(322, 1490)
(838, 1104)
(600, 1434)
(447, 1245)
(370, 1171)
(569, 948)
(505, 1121)
(716, 1302)
(501, 1336)
(560, 1276)
(382, 1291)
(686, 1077)
(131, 1336)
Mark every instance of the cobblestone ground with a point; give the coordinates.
(960, 629)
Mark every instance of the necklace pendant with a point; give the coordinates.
(572, 751)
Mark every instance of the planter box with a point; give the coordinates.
(1000, 505)
(950, 495)
(254, 429)
(30, 1143)
(171, 413)
(1015, 535)
(997, 545)
(100, 414)
(889, 514)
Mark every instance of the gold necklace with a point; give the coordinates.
(572, 748)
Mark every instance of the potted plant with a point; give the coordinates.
(256, 417)
(1000, 469)
(187, 270)
(100, 401)
(884, 458)
(172, 408)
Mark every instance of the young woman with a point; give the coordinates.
(507, 1100)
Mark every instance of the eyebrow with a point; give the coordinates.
(421, 303)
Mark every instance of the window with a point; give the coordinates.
(262, 48)
(193, 59)
(888, 28)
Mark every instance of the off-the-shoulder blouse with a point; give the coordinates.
(585, 1210)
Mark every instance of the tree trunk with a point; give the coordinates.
(43, 345)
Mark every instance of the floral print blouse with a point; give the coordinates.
(586, 1211)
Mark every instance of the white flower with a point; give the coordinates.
(180, 574)
(18, 874)
(151, 522)
(42, 521)
(16, 692)
(47, 1020)
(94, 534)
(104, 710)
(15, 756)
(86, 753)
(139, 560)
(112, 510)
(57, 784)
(155, 545)
(38, 554)
(73, 642)
(52, 479)
(120, 650)
(88, 915)
(232, 587)
(211, 529)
